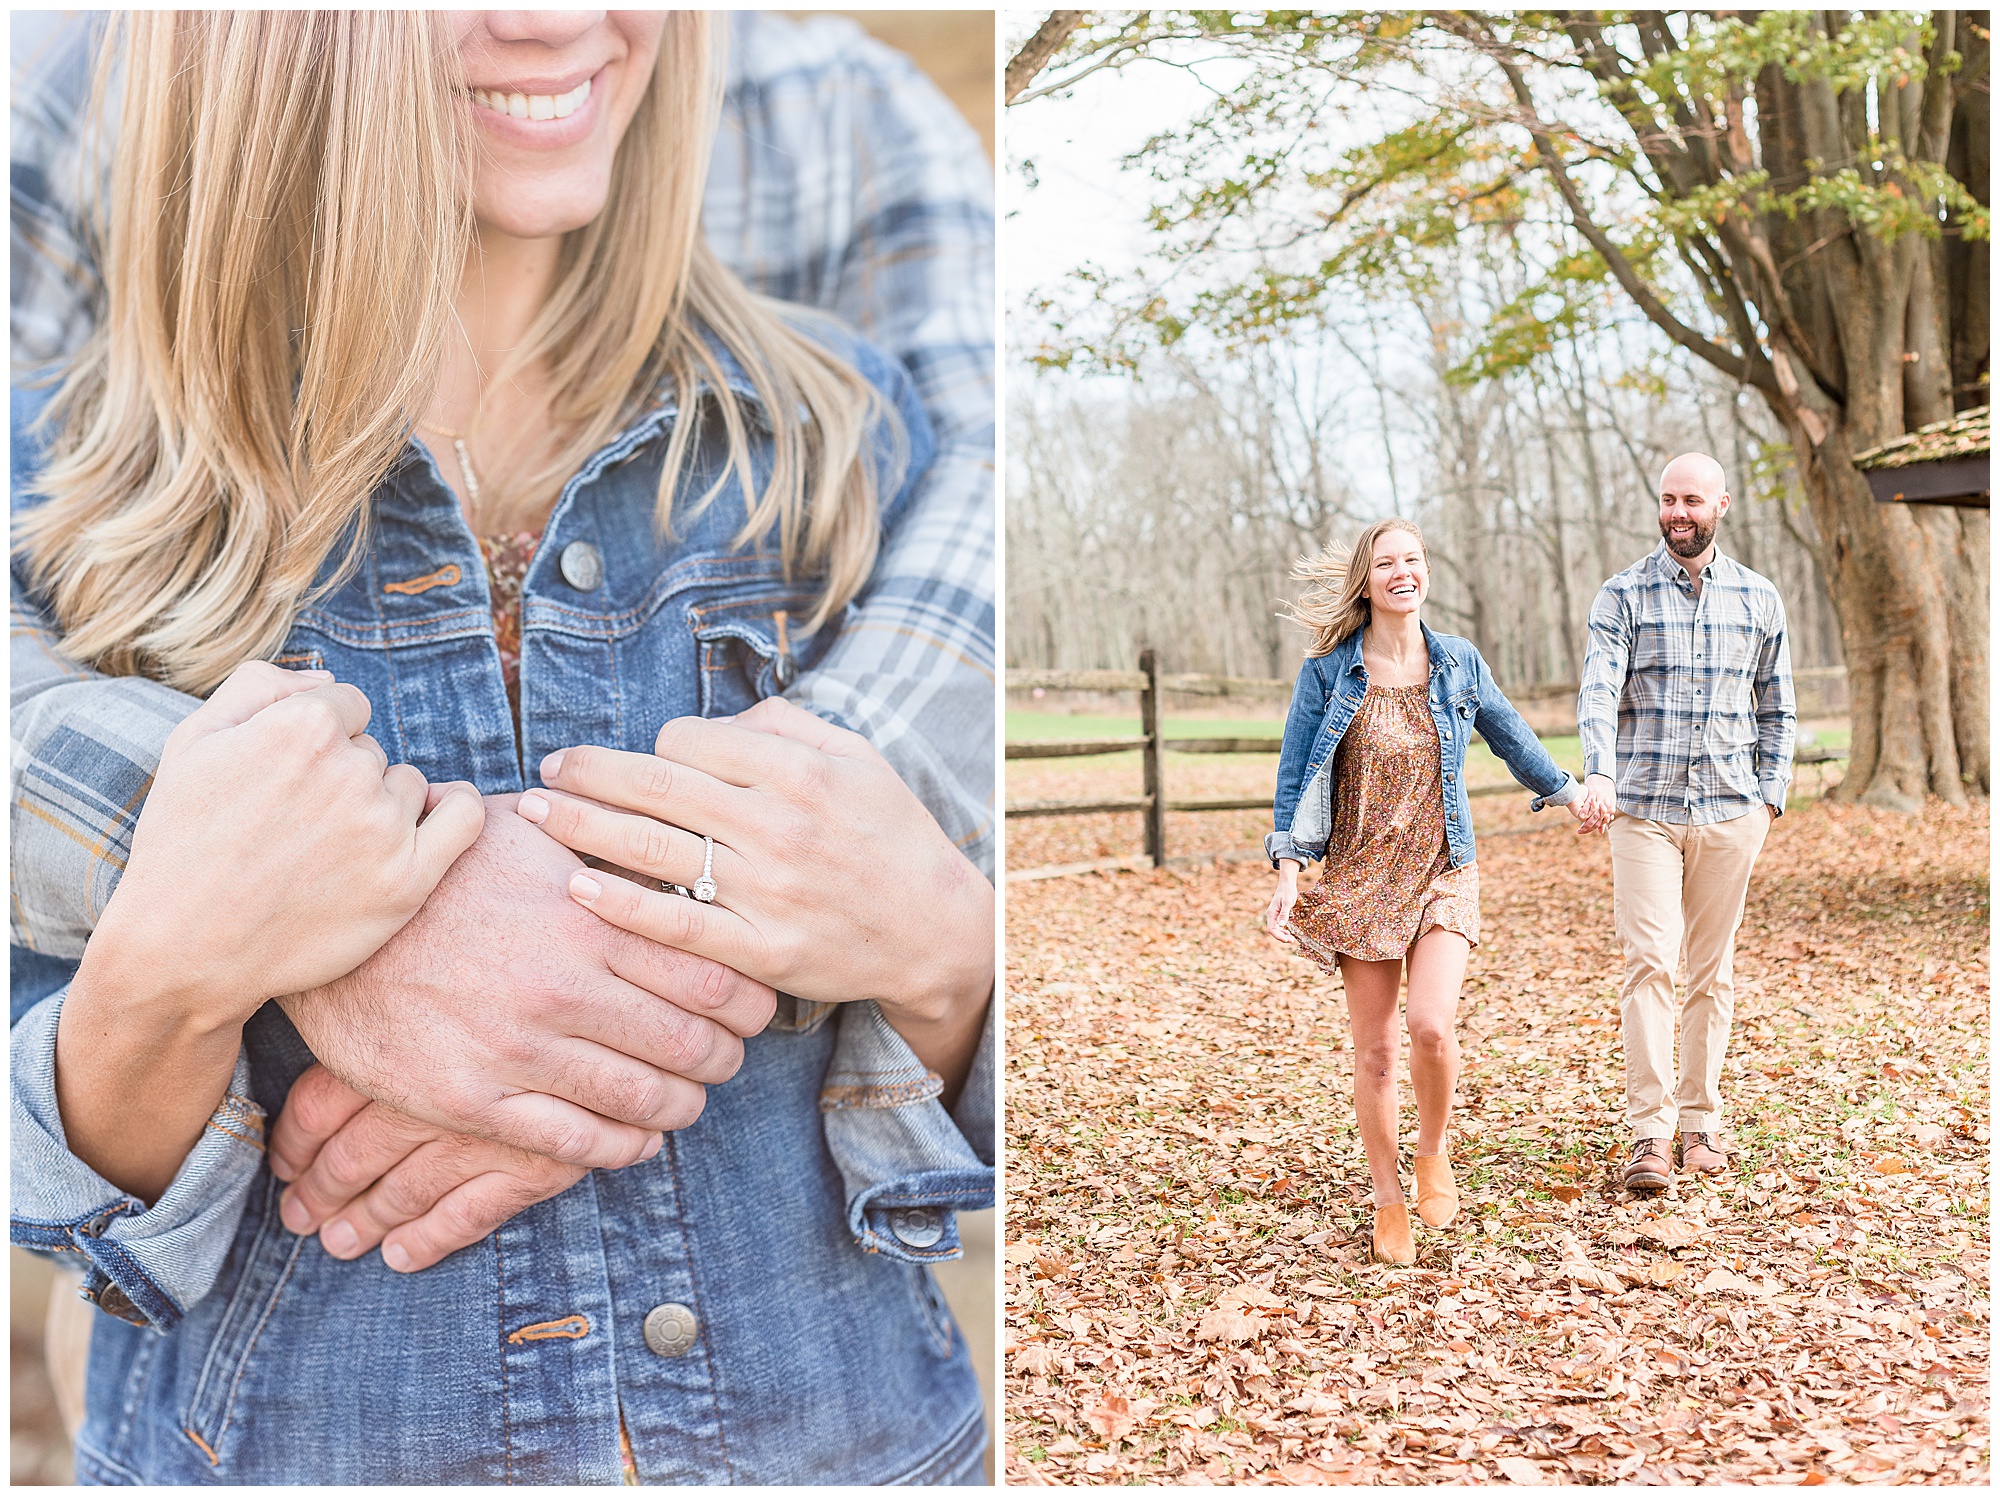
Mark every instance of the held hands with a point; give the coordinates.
(1597, 807)
(1278, 913)
(505, 1011)
(364, 1175)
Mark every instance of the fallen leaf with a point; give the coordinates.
(1112, 1418)
(1229, 1326)
(1522, 1472)
(1248, 1296)
(1669, 1232)
(1036, 1361)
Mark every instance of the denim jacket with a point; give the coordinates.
(785, 1235)
(1464, 699)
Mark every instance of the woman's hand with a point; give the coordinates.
(1278, 913)
(832, 881)
(276, 850)
(364, 1175)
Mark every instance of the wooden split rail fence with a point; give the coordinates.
(1152, 744)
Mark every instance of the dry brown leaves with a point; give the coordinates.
(1188, 1296)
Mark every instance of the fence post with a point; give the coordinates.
(1149, 724)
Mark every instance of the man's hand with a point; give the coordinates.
(1597, 807)
(365, 1175)
(505, 1011)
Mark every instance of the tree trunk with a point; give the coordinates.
(1909, 587)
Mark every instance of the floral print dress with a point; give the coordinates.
(1388, 880)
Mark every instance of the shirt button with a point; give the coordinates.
(670, 1330)
(581, 566)
(920, 1227)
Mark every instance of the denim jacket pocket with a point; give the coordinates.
(936, 1313)
(753, 645)
(267, 1266)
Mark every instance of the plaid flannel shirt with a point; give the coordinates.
(841, 179)
(1686, 700)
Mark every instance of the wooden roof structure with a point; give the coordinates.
(1946, 462)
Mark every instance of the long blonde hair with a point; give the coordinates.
(289, 216)
(1335, 600)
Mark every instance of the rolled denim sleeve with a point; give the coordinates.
(1302, 721)
(1516, 744)
(907, 1164)
(146, 1264)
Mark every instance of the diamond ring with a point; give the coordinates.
(704, 886)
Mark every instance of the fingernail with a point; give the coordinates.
(282, 1168)
(395, 1257)
(584, 888)
(317, 674)
(533, 807)
(339, 1238)
(652, 1148)
(552, 766)
(292, 1211)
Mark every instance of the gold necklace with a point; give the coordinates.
(457, 440)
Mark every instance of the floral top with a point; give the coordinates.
(507, 560)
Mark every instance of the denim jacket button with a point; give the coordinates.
(917, 1228)
(670, 1330)
(581, 566)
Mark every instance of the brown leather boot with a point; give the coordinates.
(1437, 1191)
(1646, 1171)
(1700, 1153)
(1393, 1242)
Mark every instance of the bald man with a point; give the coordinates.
(1686, 718)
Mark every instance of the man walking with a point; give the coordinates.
(1686, 718)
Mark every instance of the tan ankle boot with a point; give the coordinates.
(1393, 1242)
(1437, 1191)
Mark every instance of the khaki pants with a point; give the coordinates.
(1678, 893)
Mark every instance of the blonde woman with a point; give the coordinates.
(1372, 778)
(415, 377)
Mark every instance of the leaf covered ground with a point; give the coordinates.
(1189, 1298)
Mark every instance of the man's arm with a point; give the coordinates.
(1606, 658)
(1777, 721)
(845, 181)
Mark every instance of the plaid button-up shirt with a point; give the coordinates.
(841, 179)
(1686, 700)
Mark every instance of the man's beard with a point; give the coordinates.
(1694, 544)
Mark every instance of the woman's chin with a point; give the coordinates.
(527, 214)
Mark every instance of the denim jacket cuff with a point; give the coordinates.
(146, 1264)
(1280, 844)
(906, 1164)
(1570, 790)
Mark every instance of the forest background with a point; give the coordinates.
(1274, 274)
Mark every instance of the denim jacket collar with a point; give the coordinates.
(1346, 656)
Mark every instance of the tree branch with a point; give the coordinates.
(1044, 44)
(1547, 151)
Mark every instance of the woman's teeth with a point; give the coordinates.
(533, 106)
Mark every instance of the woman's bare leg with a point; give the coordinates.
(1371, 1021)
(1437, 971)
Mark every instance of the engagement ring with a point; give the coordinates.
(704, 886)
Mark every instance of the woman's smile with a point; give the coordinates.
(536, 106)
